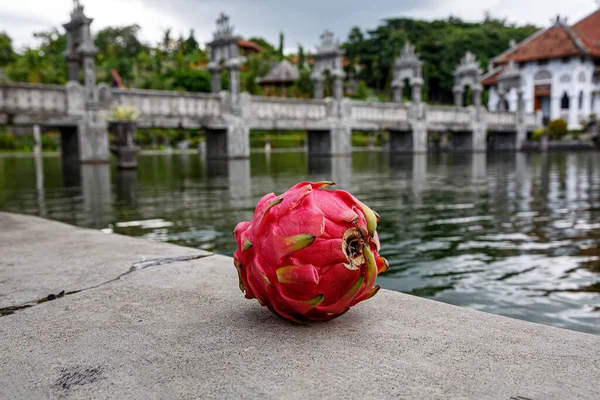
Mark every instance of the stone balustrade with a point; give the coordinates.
(156, 103)
(288, 109)
(448, 115)
(328, 121)
(378, 112)
(17, 98)
(501, 118)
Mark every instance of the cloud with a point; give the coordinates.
(301, 21)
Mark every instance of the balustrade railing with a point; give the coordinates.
(32, 98)
(378, 112)
(169, 104)
(288, 109)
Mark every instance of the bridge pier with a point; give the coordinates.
(509, 141)
(232, 142)
(473, 140)
(85, 143)
(409, 142)
(336, 141)
(93, 139)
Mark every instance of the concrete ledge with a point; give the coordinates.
(182, 329)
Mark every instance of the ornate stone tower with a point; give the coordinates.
(225, 53)
(408, 66)
(328, 58)
(468, 74)
(509, 79)
(81, 52)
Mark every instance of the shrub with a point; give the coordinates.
(7, 141)
(50, 142)
(558, 128)
(538, 133)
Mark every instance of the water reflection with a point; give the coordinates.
(513, 234)
(39, 183)
(126, 186)
(96, 192)
(240, 184)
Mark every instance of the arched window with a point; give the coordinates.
(580, 102)
(564, 102)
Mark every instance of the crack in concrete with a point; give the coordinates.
(137, 266)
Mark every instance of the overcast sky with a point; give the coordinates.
(302, 21)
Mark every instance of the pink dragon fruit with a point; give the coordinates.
(309, 254)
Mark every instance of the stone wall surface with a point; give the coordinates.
(176, 326)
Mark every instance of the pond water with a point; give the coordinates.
(511, 234)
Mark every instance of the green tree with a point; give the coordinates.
(190, 80)
(266, 46)
(301, 57)
(441, 44)
(190, 45)
(281, 45)
(7, 54)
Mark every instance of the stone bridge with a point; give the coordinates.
(80, 111)
(329, 122)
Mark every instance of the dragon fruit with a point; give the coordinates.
(309, 254)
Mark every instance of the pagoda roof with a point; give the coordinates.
(283, 73)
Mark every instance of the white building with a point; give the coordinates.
(560, 68)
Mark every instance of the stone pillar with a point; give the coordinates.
(234, 86)
(338, 85)
(215, 78)
(73, 70)
(573, 109)
(586, 109)
(37, 140)
(479, 137)
(417, 85)
(555, 109)
(520, 106)
(318, 87)
(336, 141)
(398, 90)
(230, 143)
(419, 133)
(89, 70)
(92, 136)
(341, 140)
(477, 89)
(458, 96)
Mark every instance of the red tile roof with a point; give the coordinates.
(491, 78)
(558, 41)
(247, 44)
(588, 31)
(554, 42)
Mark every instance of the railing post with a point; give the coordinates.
(37, 140)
